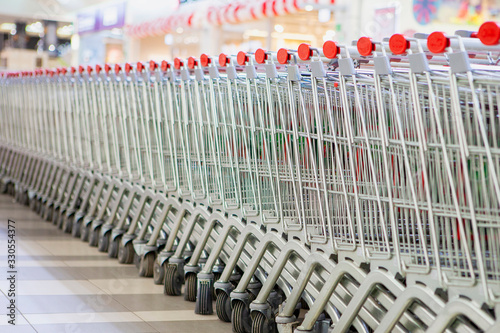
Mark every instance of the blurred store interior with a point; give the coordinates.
(61, 33)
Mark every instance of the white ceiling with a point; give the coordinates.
(35, 10)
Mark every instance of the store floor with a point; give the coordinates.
(63, 285)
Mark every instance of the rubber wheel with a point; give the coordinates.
(191, 284)
(137, 260)
(240, 317)
(173, 282)
(75, 230)
(260, 324)
(126, 253)
(60, 220)
(84, 232)
(55, 216)
(158, 273)
(26, 199)
(223, 307)
(39, 206)
(147, 264)
(216, 278)
(203, 301)
(33, 204)
(67, 224)
(94, 237)
(103, 243)
(114, 247)
(48, 213)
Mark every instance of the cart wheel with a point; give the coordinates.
(67, 224)
(26, 199)
(260, 324)
(203, 298)
(48, 213)
(126, 253)
(173, 281)
(158, 273)
(60, 220)
(223, 307)
(33, 204)
(114, 247)
(240, 316)
(147, 264)
(75, 230)
(191, 284)
(84, 232)
(137, 260)
(94, 237)
(103, 243)
(216, 278)
(55, 216)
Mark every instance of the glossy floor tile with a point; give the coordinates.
(63, 285)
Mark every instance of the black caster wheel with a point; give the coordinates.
(260, 324)
(146, 265)
(84, 232)
(75, 229)
(60, 220)
(240, 317)
(67, 224)
(137, 260)
(173, 281)
(191, 284)
(48, 213)
(103, 242)
(26, 199)
(55, 216)
(33, 204)
(39, 207)
(158, 273)
(126, 253)
(216, 278)
(94, 237)
(114, 247)
(223, 307)
(41, 210)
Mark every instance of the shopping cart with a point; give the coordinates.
(358, 182)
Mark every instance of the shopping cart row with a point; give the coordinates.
(360, 182)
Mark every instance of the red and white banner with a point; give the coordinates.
(234, 12)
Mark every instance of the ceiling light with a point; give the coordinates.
(308, 8)
(66, 30)
(7, 26)
(279, 28)
(36, 28)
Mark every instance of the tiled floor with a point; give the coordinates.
(66, 286)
